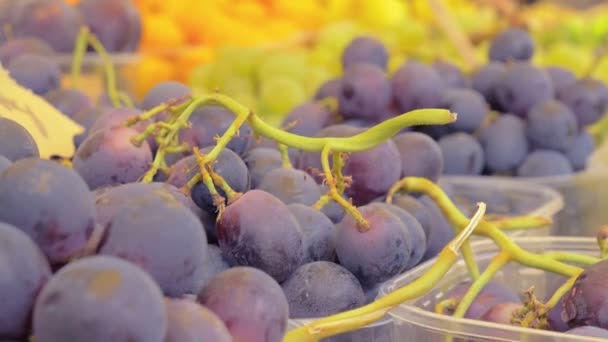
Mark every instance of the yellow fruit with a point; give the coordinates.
(188, 58)
(160, 32)
(380, 14)
(147, 72)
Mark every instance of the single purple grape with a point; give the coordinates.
(502, 312)
(492, 294)
(190, 321)
(365, 49)
(587, 301)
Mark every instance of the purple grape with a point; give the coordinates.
(164, 92)
(462, 154)
(368, 180)
(492, 294)
(544, 163)
(522, 87)
(420, 155)
(214, 264)
(505, 144)
(37, 73)
(450, 74)
(20, 46)
(471, 107)
(117, 117)
(15, 141)
(139, 232)
(365, 92)
(86, 119)
(560, 77)
(309, 118)
(330, 88)
(117, 23)
(502, 312)
(486, 80)
(416, 237)
(234, 171)
(54, 21)
(587, 98)
(416, 208)
(260, 161)
(192, 322)
(100, 298)
(4, 163)
(416, 86)
(588, 330)
(365, 49)
(258, 230)
(250, 303)
(513, 44)
(439, 232)
(50, 203)
(319, 232)
(320, 289)
(291, 186)
(23, 272)
(377, 254)
(5, 11)
(69, 101)
(209, 122)
(585, 303)
(109, 157)
(551, 125)
(580, 150)
(554, 317)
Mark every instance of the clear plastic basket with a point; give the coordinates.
(415, 320)
(504, 197)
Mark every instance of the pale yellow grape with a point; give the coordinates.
(566, 55)
(278, 96)
(317, 75)
(199, 77)
(383, 14)
(282, 64)
(242, 61)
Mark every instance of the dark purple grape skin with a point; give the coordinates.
(492, 294)
(37, 73)
(365, 92)
(164, 238)
(450, 74)
(108, 157)
(164, 92)
(69, 101)
(259, 161)
(560, 77)
(588, 330)
(214, 264)
(551, 125)
(377, 254)
(420, 155)
(291, 186)
(234, 171)
(504, 143)
(15, 141)
(554, 317)
(20, 46)
(49, 202)
(86, 119)
(54, 21)
(585, 303)
(440, 231)
(365, 49)
(471, 107)
(23, 273)
(462, 154)
(318, 230)
(522, 86)
(545, 163)
(116, 23)
(415, 86)
(416, 236)
(580, 150)
(209, 122)
(320, 289)
(98, 299)
(4, 163)
(416, 208)
(258, 230)
(250, 303)
(587, 98)
(501, 312)
(513, 44)
(330, 88)
(368, 180)
(117, 117)
(308, 119)
(485, 81)
(189, 321)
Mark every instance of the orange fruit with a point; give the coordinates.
(160, 33)
(148, 71)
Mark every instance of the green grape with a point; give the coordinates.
(243, 61)
(278, 96)
(569, 56)
(316, 76)
(282, 64)
(247, 99)
(224, 78)
(200, 77)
